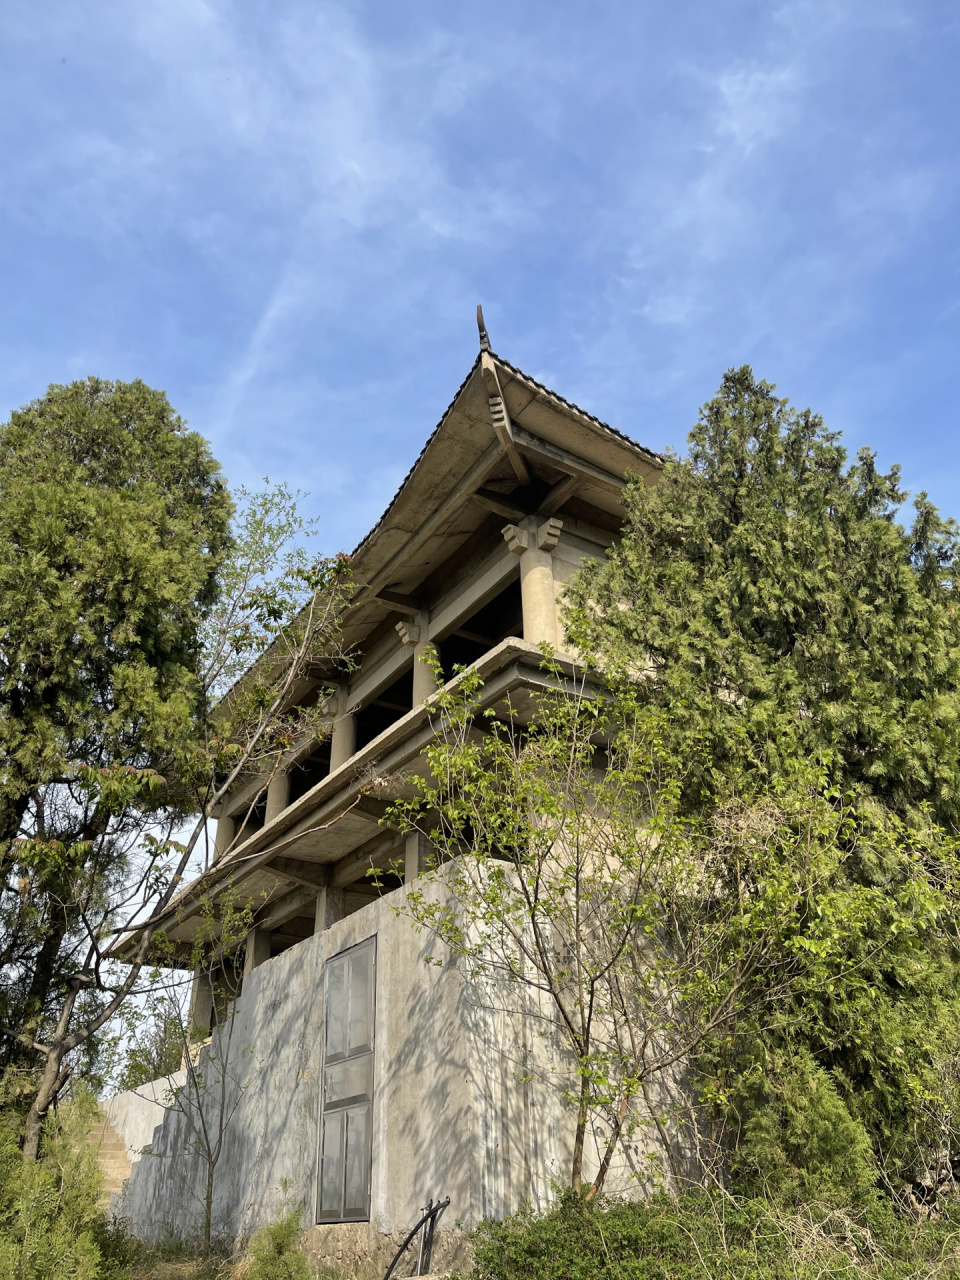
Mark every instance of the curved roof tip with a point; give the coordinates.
(484, 336)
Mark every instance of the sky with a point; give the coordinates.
(284, 215)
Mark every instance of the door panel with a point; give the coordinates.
(346, 1127)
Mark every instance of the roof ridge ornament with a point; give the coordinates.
(484, 336)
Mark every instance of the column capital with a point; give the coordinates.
(409, 631)
(517, 539)
(530, 534)
(548, 534)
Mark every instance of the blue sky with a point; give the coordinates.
(284, 215)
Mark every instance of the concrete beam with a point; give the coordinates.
(404, 743)
(563, 460)
(500, 418)
(313, 875)
(378, 675)
(501, 504)
(480, 471)
(283, 909)
(471, 595)
(371, 807)
(557, 495)
(402, 603)
(376, 853)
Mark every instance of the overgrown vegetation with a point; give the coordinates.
(767, 604)
(52, 1224)
(712, 1236)
(275, 1253)
(728, 857)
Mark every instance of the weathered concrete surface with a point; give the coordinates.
(455, 1110)
(136, 1114)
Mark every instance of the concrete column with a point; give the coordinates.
(343, 740)
(534, 542)
(329, 908)
(257, 950)
(278, 794)
(413, 632)
(201, 1005)
(416, 854)
(226, 831)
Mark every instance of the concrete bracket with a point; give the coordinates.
(548, 535)
(409, 632)
(517, 539)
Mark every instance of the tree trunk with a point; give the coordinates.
(44, 967)
(576, 1177)
(611, 1147)
(51, 1082)
(208, 1210)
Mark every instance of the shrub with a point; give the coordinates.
(275, 1250)
(51, 1224)
(713, 1236)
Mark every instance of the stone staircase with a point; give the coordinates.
(111, 1157)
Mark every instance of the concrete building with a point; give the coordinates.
(369, 1080)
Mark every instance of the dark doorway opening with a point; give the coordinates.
(482, 631)
(385, 709)
(311, 770)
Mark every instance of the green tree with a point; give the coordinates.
(766, 600)
(52, 1222)
(129, 605)
(573, 886)
(114, 521)
(151, 1040)
(773, 604)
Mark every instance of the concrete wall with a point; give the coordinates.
(451, 1113)
(136, 1115)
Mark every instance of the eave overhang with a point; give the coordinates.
(316, 837)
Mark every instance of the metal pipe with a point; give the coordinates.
(434, 1211)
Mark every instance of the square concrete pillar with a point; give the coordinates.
(200, 1018)
(257, 950)
(416, 855)
(329, 908)
(343, 741)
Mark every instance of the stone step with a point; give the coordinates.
(111, 1156)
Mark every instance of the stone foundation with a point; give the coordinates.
(363, 1253)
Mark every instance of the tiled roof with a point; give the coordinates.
(620, 435)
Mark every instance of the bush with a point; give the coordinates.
(275, 1250)
(51, 1224)
(704, 1236)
